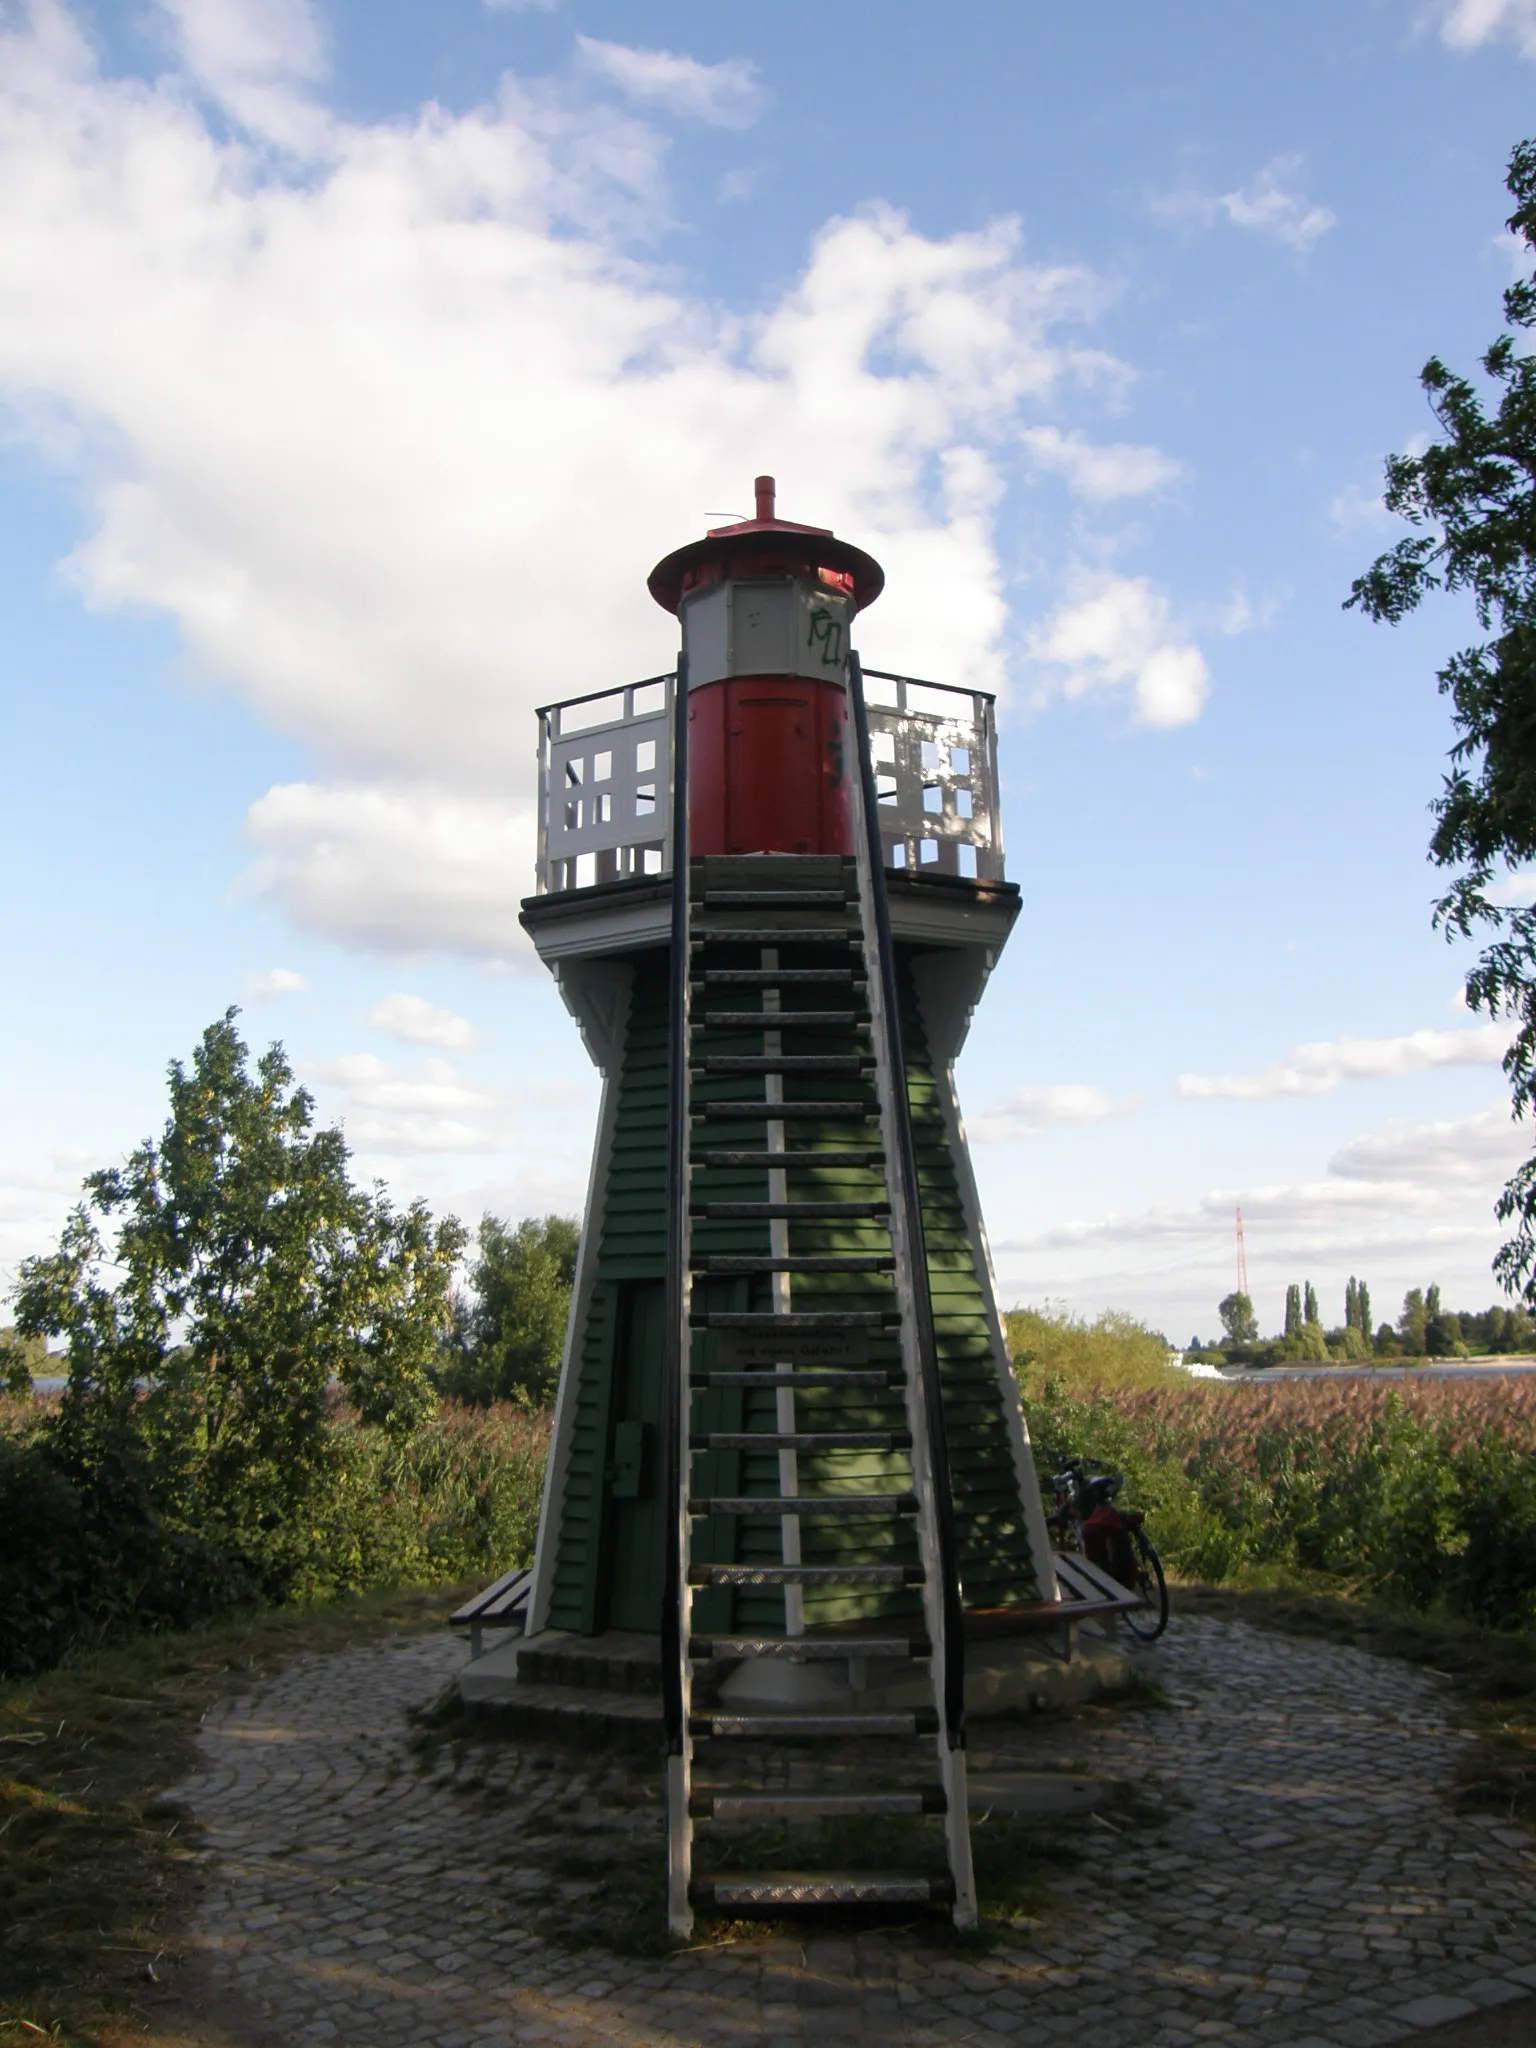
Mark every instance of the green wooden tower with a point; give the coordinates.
(601, 922)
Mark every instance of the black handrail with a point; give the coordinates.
(912, 1215)
(674, 1364)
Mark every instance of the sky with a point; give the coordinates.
(358, 361)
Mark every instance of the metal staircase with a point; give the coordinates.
(811, 1558)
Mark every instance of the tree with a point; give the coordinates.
(1442, 1334)
(20, 1359)
(1432, 1302)
(1364, 1303)
(1473, 494)
(246, 1277)
(1352, 1303)
(509, 1339)
(1412, 1323)
(1309, 1312)
(1292, 1310)
(1238, 1321)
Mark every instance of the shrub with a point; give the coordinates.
(80, 1564)
(1113, 1350)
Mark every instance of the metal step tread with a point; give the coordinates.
(778, 899)
(812, 1649)
(814, 1805)
(765, 1323)
(841, 1376)
(808, 1262)
(785, 1020)
(762, 1111)
(751, 1727)
(784, 1063)
(804, 1440)
(821, 1888)
(805, 1575)
(869, 1159)
(776, 935)
(777, 977)
(807, 1504)
(790, 1212)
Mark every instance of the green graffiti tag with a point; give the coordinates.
(826, 632)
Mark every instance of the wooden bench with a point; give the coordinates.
(1088, 1593)
(502, 1605)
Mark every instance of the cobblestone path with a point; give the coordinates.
(1296, 1878)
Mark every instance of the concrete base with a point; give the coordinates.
(489, 1680)
(1000, 1678)
(616, 1677)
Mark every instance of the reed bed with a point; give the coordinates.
(1418, 1492)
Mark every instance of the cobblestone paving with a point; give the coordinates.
(1303, 1882)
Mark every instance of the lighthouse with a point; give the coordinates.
(788, 1470)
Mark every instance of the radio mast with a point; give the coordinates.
(1242, 1258)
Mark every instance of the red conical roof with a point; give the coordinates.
(766, 546)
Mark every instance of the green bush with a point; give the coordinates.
(1113, 1350)
(83, 1564)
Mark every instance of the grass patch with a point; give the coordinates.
(97, 1870)
(1494, 1673)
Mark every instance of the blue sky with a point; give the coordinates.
(356, 362)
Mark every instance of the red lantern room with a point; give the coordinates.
(766, 609)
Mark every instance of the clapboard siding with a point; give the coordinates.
(632, 1246)
(995, 1558)
(996, 1561)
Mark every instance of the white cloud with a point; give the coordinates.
(255, 63)
(1484, 1149)
(1116, 629)
(1269, 204)
(1116, 470)
(419, 1022)
(277, 981)
(361, 419)
(1357, 508)
(34, 1201)
(1315, 1068)
(724, 95)
(1514, 891)
(1399, 1208)
(399, 870)
(1466, 24)
(1029, 1111)
(388, 1110)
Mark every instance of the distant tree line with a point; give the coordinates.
(1424, 1329)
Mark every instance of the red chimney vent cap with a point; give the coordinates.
(766, 545)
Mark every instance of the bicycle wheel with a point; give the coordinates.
(1150, 1619)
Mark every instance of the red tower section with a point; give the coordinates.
(766, 609)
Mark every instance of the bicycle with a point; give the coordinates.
(1085, 1518)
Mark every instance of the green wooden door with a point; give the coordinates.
(634, 1498)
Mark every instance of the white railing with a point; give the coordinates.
(935, 757)
(605, 786)
(605, 781)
